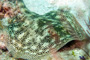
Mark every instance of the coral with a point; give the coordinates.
(7, 9)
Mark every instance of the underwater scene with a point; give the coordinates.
(44, 29)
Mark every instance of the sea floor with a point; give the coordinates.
(75, 54)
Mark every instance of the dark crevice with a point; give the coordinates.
(72, 45)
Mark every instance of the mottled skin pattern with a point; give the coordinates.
(32, 36)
